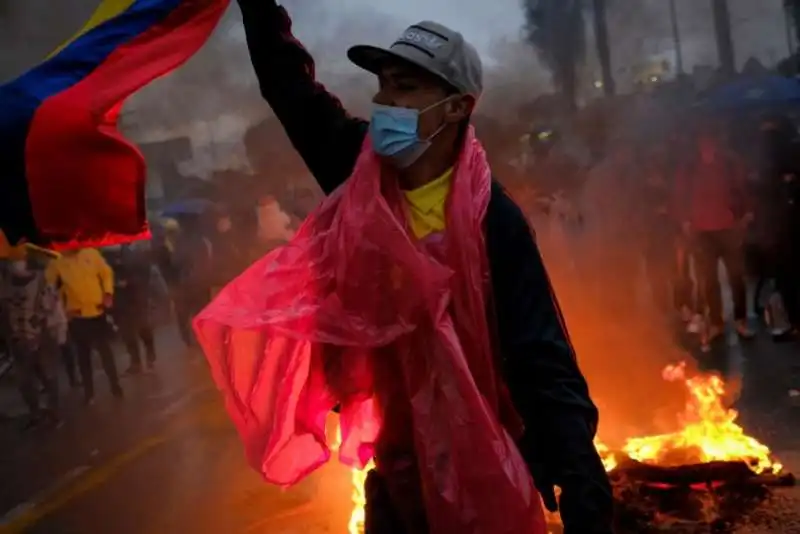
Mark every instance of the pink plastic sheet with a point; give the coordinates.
(355, 313)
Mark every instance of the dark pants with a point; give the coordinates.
(380, 514)
(94, 333)
(131, 335)
(787, 275)
(188, 303)
(68, 360)
(683, 286)
(33, 368)
(710, 248)
(668, 274)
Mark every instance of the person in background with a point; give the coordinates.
(36, 326)
(229, 258)
(86, 284)
(660, 233)
(777, 193)
(131, 312)
(192, 260)
(164, 257)
(713, 206)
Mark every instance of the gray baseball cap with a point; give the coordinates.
(432, 47)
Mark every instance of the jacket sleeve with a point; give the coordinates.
(52, 272)
(542, 373)
(325, 135)
(104, 271)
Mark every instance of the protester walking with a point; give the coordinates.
(37, 325)
(86, 284)
(131, 311)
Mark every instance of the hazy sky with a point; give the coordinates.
(639, 30)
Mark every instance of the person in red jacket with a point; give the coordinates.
(713, 207)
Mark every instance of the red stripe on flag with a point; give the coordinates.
(86, 182)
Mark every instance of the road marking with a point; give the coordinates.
(92, 479)
(84, 479)
(43, 495)
(175, 406)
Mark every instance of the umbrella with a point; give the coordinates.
(188, 206)
(759, 92)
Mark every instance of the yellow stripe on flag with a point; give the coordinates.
(107, 10)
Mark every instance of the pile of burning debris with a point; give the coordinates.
(706, 477)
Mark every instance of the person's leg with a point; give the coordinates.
(25, 371)
(195, 302)
(130, 340)
(47, 353)
(80, 332)
(707, 265)
(732, 254)
(148, 340)
(102, 343)
(787, 283)
(682, 291)
(67, 351)
(182, 317)
(706, 258)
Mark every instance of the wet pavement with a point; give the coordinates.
(167, 460)
(164, 460)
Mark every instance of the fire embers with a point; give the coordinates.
(705, 477)
(697, 498)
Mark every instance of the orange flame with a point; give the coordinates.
(359, 497)
(708, 433)
(357, 516)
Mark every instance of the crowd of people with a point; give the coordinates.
(675, 209)
(66, 306)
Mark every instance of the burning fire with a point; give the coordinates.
(709, 432)
(359, 497)
(356, 525)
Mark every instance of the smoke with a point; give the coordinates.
(622, 344)
(219, 80)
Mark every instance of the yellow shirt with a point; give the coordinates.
(425, 206)
(83, 278)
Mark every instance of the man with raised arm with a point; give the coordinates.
(429, 82)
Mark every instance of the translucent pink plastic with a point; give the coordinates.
(352, 301)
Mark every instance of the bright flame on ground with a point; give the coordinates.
(356, 525)
(359, 478)
(709, 431)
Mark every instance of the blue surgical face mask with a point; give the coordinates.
(393, 131)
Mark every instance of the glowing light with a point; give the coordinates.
(708, 433)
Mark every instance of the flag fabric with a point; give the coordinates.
(67, 176)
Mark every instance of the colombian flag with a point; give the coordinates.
(67, 176)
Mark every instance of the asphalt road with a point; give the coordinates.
(166, 459)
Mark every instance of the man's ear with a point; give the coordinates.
(458, 109)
